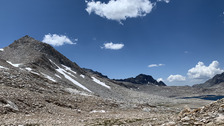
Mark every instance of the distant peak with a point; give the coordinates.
(26, 37)
(143, 79)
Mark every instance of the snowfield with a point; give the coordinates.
(1, 49)
(66, 75)
(100, 83)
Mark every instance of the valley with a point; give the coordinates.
(40, 86)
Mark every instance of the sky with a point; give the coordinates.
(177, 41)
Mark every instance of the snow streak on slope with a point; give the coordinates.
(48, 77)
(100, 83)
(1, 49)
(57, 76)
(29, 69)
(1, 67)
(66, 75)
(15, 65)
(69, 69)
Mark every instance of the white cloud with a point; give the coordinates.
(160, 79)
(186, 52)
(201, 71)
(177, 77)
(167, 1)
(112, 46)
(155, 65)
(57, 40)
(120, 9)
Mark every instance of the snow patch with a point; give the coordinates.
(65, 73)
(83, 76)
(98, 111)
(100, 83)
(1, 49)
(15, 65)
(74, 91)
(48, 77)
(58, 76)
(11, 105)
(69, 74)
(1, 67)
(69, 69)
(34, 72)
(29, 69)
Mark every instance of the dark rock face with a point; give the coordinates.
(217, 79)
(142, 79)
(95, 72)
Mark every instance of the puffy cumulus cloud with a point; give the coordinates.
(112, 46)
(120, 9)
(173, 78)
(57, 40)
(155, 65)
(201, 71)
(160, 79)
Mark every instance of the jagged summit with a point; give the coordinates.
(142, 79)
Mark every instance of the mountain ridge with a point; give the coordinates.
(142, 79)
(216, 80)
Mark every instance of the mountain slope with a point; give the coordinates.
(216, 80)
(40, 58)
(33, 57)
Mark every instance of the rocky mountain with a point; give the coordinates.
(216, 80)
(38, 58)
(95, 73)
(142, 79)
(30, 66)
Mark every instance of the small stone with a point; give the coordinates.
(186, 118)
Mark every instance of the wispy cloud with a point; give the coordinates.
(167, 1)
(113, 46)
(120, 9)
(176, 78)
(155, 65)
(186, 52)
(57, 40)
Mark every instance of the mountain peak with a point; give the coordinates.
(28, 50)
(142, 79)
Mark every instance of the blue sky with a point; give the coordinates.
(180, 41)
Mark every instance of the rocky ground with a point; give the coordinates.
(29, 99)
